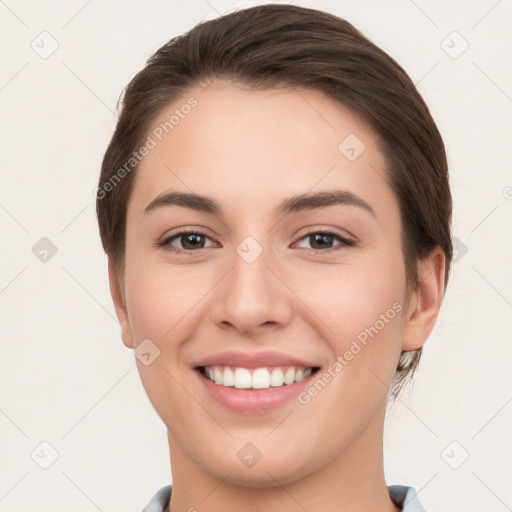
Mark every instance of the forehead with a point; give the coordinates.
(258, 146)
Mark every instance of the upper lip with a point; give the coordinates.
(255, 360)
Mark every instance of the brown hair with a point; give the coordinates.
(288, 46)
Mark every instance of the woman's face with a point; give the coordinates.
(272, 280)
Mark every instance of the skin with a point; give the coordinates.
(249, 150)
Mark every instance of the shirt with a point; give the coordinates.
(402, 496)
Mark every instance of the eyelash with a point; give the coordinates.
(166, 242)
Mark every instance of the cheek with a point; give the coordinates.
(349, 298)
(361, 308)
(161, 308)
(363, 313)
(160, 299)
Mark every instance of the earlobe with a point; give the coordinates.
(425, 301)
(119, 304)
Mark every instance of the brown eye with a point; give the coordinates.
(323, 240)
(187, 241)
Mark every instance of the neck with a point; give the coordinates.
(353, 481)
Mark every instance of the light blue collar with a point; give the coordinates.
(402, 496)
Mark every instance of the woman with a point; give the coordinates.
(275, 207)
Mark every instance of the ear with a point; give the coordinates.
(119, 304)
(425, 301)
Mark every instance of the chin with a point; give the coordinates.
(267, 472)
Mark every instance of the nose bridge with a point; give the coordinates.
(250, 267)
(251, 294)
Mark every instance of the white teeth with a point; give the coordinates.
(217, 375)
(277, 377)
(228, 377)
(289, 376)
(242, 378)
(261, 378)
(258, 378)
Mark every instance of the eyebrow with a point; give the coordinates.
(298, 203)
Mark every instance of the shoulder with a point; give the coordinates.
(406, 498)
(160, 500)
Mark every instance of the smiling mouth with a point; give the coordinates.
(255, 378)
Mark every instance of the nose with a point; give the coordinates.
(252, 297)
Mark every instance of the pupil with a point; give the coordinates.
(191, 238)
(322, 239)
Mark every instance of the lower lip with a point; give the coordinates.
(247, 400)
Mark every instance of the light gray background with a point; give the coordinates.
(65, 377)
